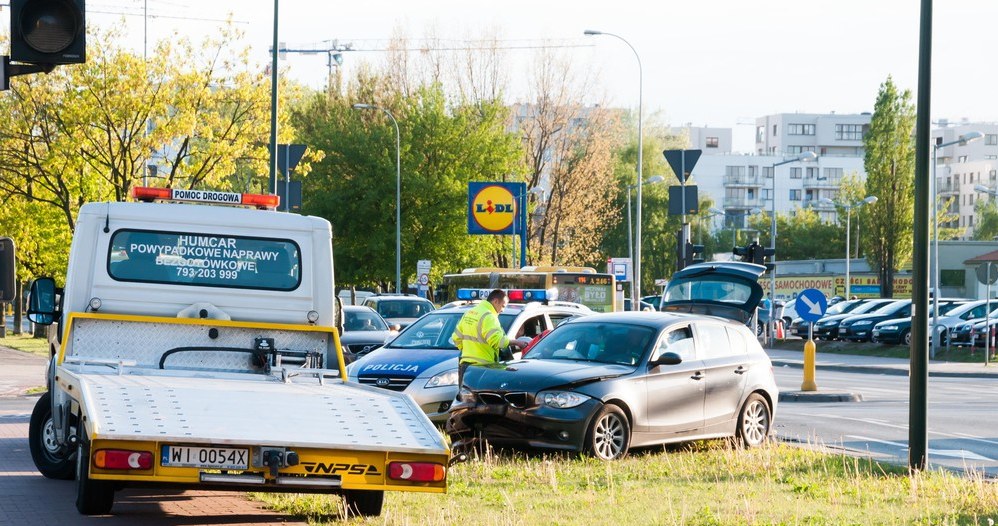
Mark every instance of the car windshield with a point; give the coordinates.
(403, 308)
(844, 306)
(363, 320)
(434, 331)
(595, 342)
(709, 290)
(870, 306)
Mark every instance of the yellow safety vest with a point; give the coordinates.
(479, 335)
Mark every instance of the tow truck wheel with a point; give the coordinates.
(363, 503)
(93, 497)
(52, 460)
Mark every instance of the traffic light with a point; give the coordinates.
(48, 32)
(745, 253)
(695, 252)
(759, 255)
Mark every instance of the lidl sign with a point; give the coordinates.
(494, 208)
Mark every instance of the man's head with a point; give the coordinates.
(498, 299)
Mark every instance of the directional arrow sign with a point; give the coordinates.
(811, 305)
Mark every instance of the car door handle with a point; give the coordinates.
(697, 375)
(741, 369)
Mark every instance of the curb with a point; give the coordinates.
(816, 397)
(881, 369)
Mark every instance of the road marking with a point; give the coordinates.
(955, 453)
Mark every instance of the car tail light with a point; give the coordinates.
(416, 471)
(122, 459)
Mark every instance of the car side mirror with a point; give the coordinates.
(41, 301)
(669, 358)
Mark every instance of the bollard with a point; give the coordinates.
(810, 350)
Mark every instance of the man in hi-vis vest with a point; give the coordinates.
(479, 336)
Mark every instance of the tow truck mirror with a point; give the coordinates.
(7, 270)
(669, 358)
(41, 301)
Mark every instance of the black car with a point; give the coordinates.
(827, 327)
(859, 327)
(898, 331)
(604, 383)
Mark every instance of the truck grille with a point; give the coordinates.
(395, 383)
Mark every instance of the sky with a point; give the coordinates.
(721, 63)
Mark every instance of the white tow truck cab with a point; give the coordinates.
(199, 349)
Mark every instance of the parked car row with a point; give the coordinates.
(889, 321)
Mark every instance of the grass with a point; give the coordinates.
(705, 483)
(26, 343)
(955, 354)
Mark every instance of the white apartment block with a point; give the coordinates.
(741, 185)
(961, 167)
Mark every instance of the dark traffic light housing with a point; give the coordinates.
(755, 253)
(48, 32)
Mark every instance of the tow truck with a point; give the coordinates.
(199, 349)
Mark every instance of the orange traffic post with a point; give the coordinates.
(810, 349)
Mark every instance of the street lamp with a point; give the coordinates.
(636, 257)
(803, 157)
(398, 192)
(962, 141)
(630, 240)
(869, 200)
(712, 212)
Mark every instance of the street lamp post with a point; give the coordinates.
(630, 240)
(537, 190)
(803, 157)
(869, 200)
(398, 192)
(636, 258)
(962, 141)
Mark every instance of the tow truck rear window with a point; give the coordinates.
(204, 260)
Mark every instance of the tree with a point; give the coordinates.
(568, 148)
(200, 113)
(801, 235)
(444, 146)
(890, 169)
(986, 211)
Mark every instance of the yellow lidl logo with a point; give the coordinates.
(492, 208)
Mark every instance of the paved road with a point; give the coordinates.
(962, 422)
(30, 499)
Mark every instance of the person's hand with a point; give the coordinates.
(518, 344)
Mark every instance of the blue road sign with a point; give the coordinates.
(811, 305)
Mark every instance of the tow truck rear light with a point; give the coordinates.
(122, 459)
(416, 471)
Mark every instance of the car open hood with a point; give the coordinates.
(537, 375)
(703, 288)
(402, 362)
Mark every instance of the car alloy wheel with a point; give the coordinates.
(609, 435)
(906, 337)
(754, 421)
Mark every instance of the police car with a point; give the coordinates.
(422, 360)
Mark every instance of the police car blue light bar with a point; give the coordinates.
(515, 295)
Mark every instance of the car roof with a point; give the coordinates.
(652, 319)
(356, 308)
